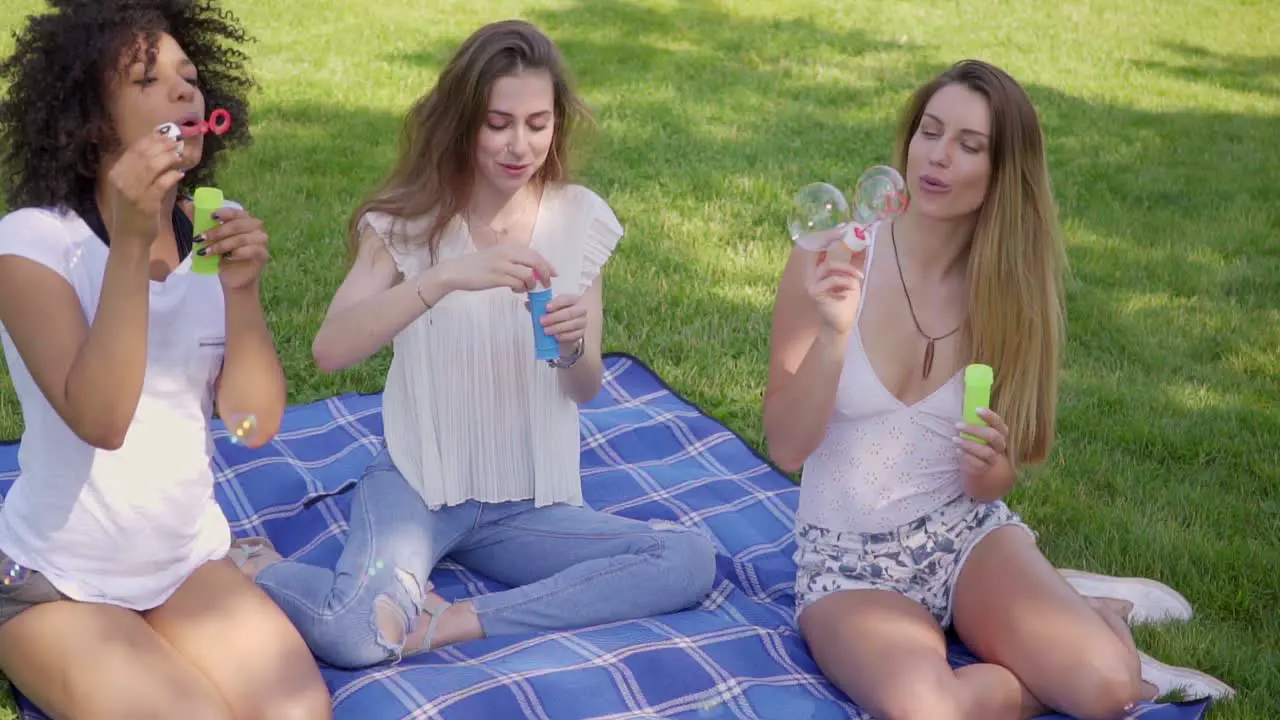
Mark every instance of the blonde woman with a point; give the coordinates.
(902, 531)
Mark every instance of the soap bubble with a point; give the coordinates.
(240, 427)
(11, 573)
(879, 195)
(818, 209)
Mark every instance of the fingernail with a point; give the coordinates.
(956, 439)
(202, 252)
(959, 426)
(215, 215)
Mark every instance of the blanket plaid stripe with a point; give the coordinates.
(646, 453)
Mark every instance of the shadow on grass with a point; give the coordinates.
(1241, 73)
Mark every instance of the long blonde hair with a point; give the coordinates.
(1017, 260)
(434, 169)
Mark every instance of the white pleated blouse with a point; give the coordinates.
(468, 412)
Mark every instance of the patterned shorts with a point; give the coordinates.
(920, 559)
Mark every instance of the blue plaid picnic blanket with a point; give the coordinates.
(646, 453)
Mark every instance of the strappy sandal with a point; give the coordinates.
(436, 613)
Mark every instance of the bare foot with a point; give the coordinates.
(1114, 606)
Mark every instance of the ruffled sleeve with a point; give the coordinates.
(603, 234)
(383, 225)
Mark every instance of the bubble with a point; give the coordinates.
(879, 195)
(240, 427)
(817, 210)
(11, 573)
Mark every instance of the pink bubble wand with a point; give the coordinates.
(219, 123)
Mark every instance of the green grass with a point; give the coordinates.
(1163, 129)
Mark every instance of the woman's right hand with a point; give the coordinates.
(518, 268)
(834, 283)
(139, 182)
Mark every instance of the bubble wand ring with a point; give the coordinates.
(219, 123)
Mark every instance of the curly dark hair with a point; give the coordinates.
(54, 124)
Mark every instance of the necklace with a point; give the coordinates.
(499, 236)
(928, 350)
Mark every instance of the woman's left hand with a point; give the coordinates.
(988, 473)
(242, 242)
(566, 319)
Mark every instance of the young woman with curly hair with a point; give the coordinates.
(120, 598)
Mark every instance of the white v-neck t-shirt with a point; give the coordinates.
(468, 413)
(125, 526)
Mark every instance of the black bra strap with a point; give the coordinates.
(182, 228)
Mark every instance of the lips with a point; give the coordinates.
(932, 183)
(190, 123)
(512, 169)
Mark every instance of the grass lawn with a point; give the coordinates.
(1163, 125)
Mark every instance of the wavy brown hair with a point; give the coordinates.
(1017, 260)
(434, 170)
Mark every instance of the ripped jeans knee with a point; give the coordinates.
(388, 620)
(395, 612)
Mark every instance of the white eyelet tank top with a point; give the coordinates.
(882, 463)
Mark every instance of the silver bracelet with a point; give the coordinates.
(563, 363)
(417, 287)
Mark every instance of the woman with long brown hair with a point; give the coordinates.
(902, 531)
(482, 441)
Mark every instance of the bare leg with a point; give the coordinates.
(239, 639)
(889, 656)
(1113, 613)
(1012, 608)
(80, 660)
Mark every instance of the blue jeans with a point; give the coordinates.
(567, 566)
